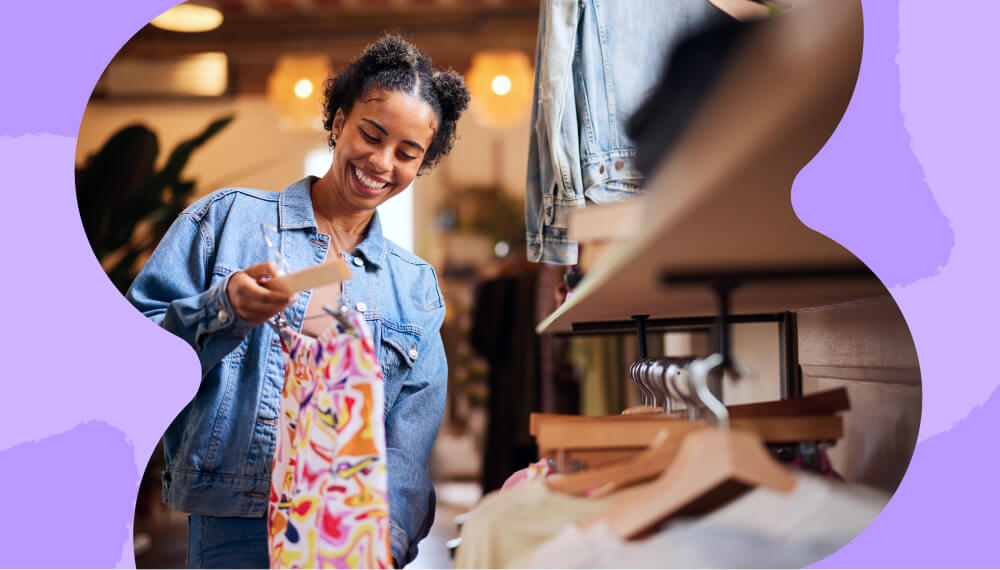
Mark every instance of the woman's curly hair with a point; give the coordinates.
(393, 64)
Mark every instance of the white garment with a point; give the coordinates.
(512, 523)
(762, 529)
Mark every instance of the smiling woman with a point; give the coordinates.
(391, 116)
(380, 149)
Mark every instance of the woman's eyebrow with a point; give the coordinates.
(376, 125)
(385, 132)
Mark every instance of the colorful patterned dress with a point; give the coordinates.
(328, 505)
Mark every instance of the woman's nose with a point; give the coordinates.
(381, 160)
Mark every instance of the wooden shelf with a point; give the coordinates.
(720, 203)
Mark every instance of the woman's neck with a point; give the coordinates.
(330, 212)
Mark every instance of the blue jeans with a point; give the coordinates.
(227, 542)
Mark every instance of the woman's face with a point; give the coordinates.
(380, 147)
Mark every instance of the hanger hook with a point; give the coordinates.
(653, 379)
(647, 377)
(698, 377)
(658, 382)
(637, 377)
(682, 388)
(669, 370)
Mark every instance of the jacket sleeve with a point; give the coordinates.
(174, 290)
(411, 428)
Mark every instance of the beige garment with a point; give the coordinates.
(317, 320)
(762, 529)
(507, 525)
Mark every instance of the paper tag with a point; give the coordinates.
(311, 277)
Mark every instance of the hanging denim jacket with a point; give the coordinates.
(219, 448)
(595, 62)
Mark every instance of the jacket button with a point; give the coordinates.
(222, 316)
(361, 307)
(413, 354)
(619, 164)
(358, 261)
(601, 169)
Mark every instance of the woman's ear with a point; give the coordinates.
(337, 127)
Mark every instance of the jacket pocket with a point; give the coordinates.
(399, 345)
(400, 353)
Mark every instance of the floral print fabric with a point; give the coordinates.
(328, 505)
(537, 470)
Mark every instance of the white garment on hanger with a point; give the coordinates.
(763, 528)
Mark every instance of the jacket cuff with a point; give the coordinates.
(219, 314)
(400, 545)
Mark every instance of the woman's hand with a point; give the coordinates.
(249, 296)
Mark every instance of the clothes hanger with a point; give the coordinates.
(341, 314)
(292, 282)
(819, 404)
(600, 481)
(708, 460)
(649, 375)
(648, 464)
(638, 373)
(677, 384)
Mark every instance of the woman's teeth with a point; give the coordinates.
(368, 182)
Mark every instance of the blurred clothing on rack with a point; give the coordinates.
(761, 529)
(503, 333)
(537, 470)
(588, 80)
(510, 524)
(559, 391)
(534, 527)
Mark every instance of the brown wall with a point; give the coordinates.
(866, 347)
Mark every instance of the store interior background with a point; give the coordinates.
(465, 218)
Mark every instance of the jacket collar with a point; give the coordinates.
(295, 212)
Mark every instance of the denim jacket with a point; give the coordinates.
(594, 64)
(219, 448)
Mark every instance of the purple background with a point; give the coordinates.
(906, 183)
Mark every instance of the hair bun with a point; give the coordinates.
(390, 52)
(452, 93)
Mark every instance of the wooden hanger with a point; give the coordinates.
(707, 460)
(636, 410)
(601, 481)
(654, 460)
(610, 471)
(818, 404)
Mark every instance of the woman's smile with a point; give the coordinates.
(367, 183)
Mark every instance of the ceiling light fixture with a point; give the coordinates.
(500, 84)
(191, 16)
(295, 89)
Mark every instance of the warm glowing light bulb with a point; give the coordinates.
(303, 88)
(501, 85)
(189, 17)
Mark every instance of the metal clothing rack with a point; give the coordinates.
(722, 286)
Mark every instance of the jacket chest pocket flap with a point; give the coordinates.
(400, 348)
